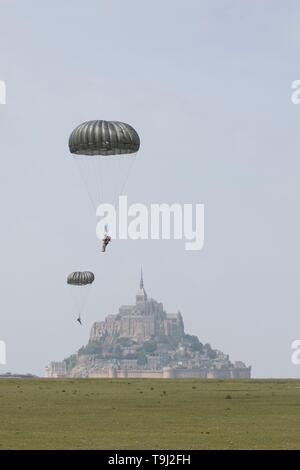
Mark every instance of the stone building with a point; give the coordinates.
(56, 369)
(141, 321)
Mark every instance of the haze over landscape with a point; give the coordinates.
(207, 85)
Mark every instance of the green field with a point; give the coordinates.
(149, 414)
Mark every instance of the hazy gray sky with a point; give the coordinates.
(207, 85)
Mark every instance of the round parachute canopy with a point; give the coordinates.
(81, 278)
(104, 138)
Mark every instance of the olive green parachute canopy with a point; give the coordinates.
(104, 138)
(81, 278)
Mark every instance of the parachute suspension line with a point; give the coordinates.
(74, 299)
(83, 177)
(95, 184)
(110, 177)
(90, 177)
(79, 296)
(95, 167)
(128, 173)
(85, 296)
(98, 172)
(101, 177)
(117, 167)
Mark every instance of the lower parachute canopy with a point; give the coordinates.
(81, 278)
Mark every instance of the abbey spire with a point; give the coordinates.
(141, 295)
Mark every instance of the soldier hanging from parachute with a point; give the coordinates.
(105, 152)
(80, 282)
(105, 240)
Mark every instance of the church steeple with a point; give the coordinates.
(141, 295)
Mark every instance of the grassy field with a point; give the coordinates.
(149, 414)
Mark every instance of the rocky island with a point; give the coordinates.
(144, 341)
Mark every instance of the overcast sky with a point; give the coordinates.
(207, 84)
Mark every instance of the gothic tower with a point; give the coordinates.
(141, 296)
